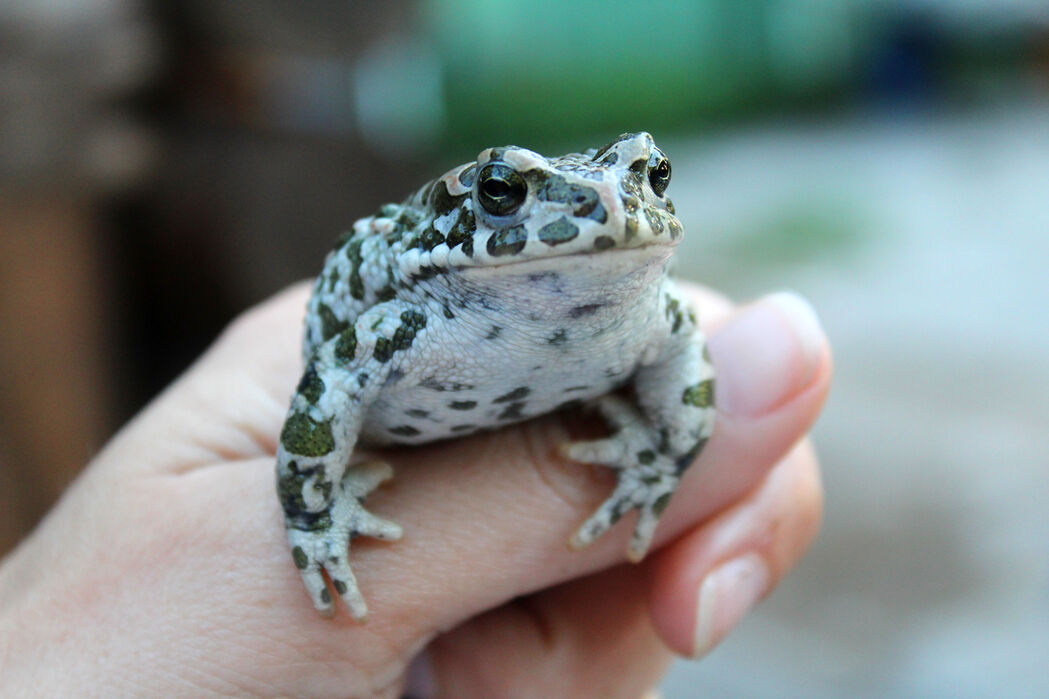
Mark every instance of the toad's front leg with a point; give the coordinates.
(657, 439)
(321, 497)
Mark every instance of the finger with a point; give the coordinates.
(704, 582)
(587, 638)
(594, 636)
(230, 404)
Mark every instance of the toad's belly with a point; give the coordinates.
(497, 383)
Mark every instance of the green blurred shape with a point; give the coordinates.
(541, 72)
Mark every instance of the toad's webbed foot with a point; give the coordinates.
(646, 477)
(324, 545)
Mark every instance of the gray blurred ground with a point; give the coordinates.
(925, 250)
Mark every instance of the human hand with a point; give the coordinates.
(164, 568)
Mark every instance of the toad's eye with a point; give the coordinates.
(500, 189)
(659, 176)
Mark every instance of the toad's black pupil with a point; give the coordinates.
(659, 177)
(496, 188)
(500, 189)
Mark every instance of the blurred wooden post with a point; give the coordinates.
(54, 401)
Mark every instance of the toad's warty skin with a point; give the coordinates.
(507, 288)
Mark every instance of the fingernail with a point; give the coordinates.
(766, 354)
(725, 596)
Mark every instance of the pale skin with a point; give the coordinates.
(164, 569)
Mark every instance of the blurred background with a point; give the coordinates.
(165, 165)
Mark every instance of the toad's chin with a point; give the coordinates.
(537, 288)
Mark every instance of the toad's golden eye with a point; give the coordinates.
(500, 189)
(659, 176)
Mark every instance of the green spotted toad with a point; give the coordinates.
(506, 288)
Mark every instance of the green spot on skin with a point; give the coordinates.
(343, 239)
(604, 242)
(320, 523)
(353, 254)
(661, 504)
(673, 313)
(330, 324)
(463, 405)
(339, 585)
(584, 200)
(325, 596)
(462, 232)
(558, 338)
(654, 220)
(289, 488)
(311, 386)
(404, 431)
(560, 231)
(430, 238)
(346, 345)
(512, 411)
(305, 436)
(441, 202)
(516, 394)
(701, 395)
(426, 272)
(675, 228)
(646, 457)
(300, 558)
(508, 241)
(383, 350)
(411, 323)
(630, 228)
(414, 319)
(409, 218)
(686, 460)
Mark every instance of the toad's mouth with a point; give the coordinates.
(607, 264)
